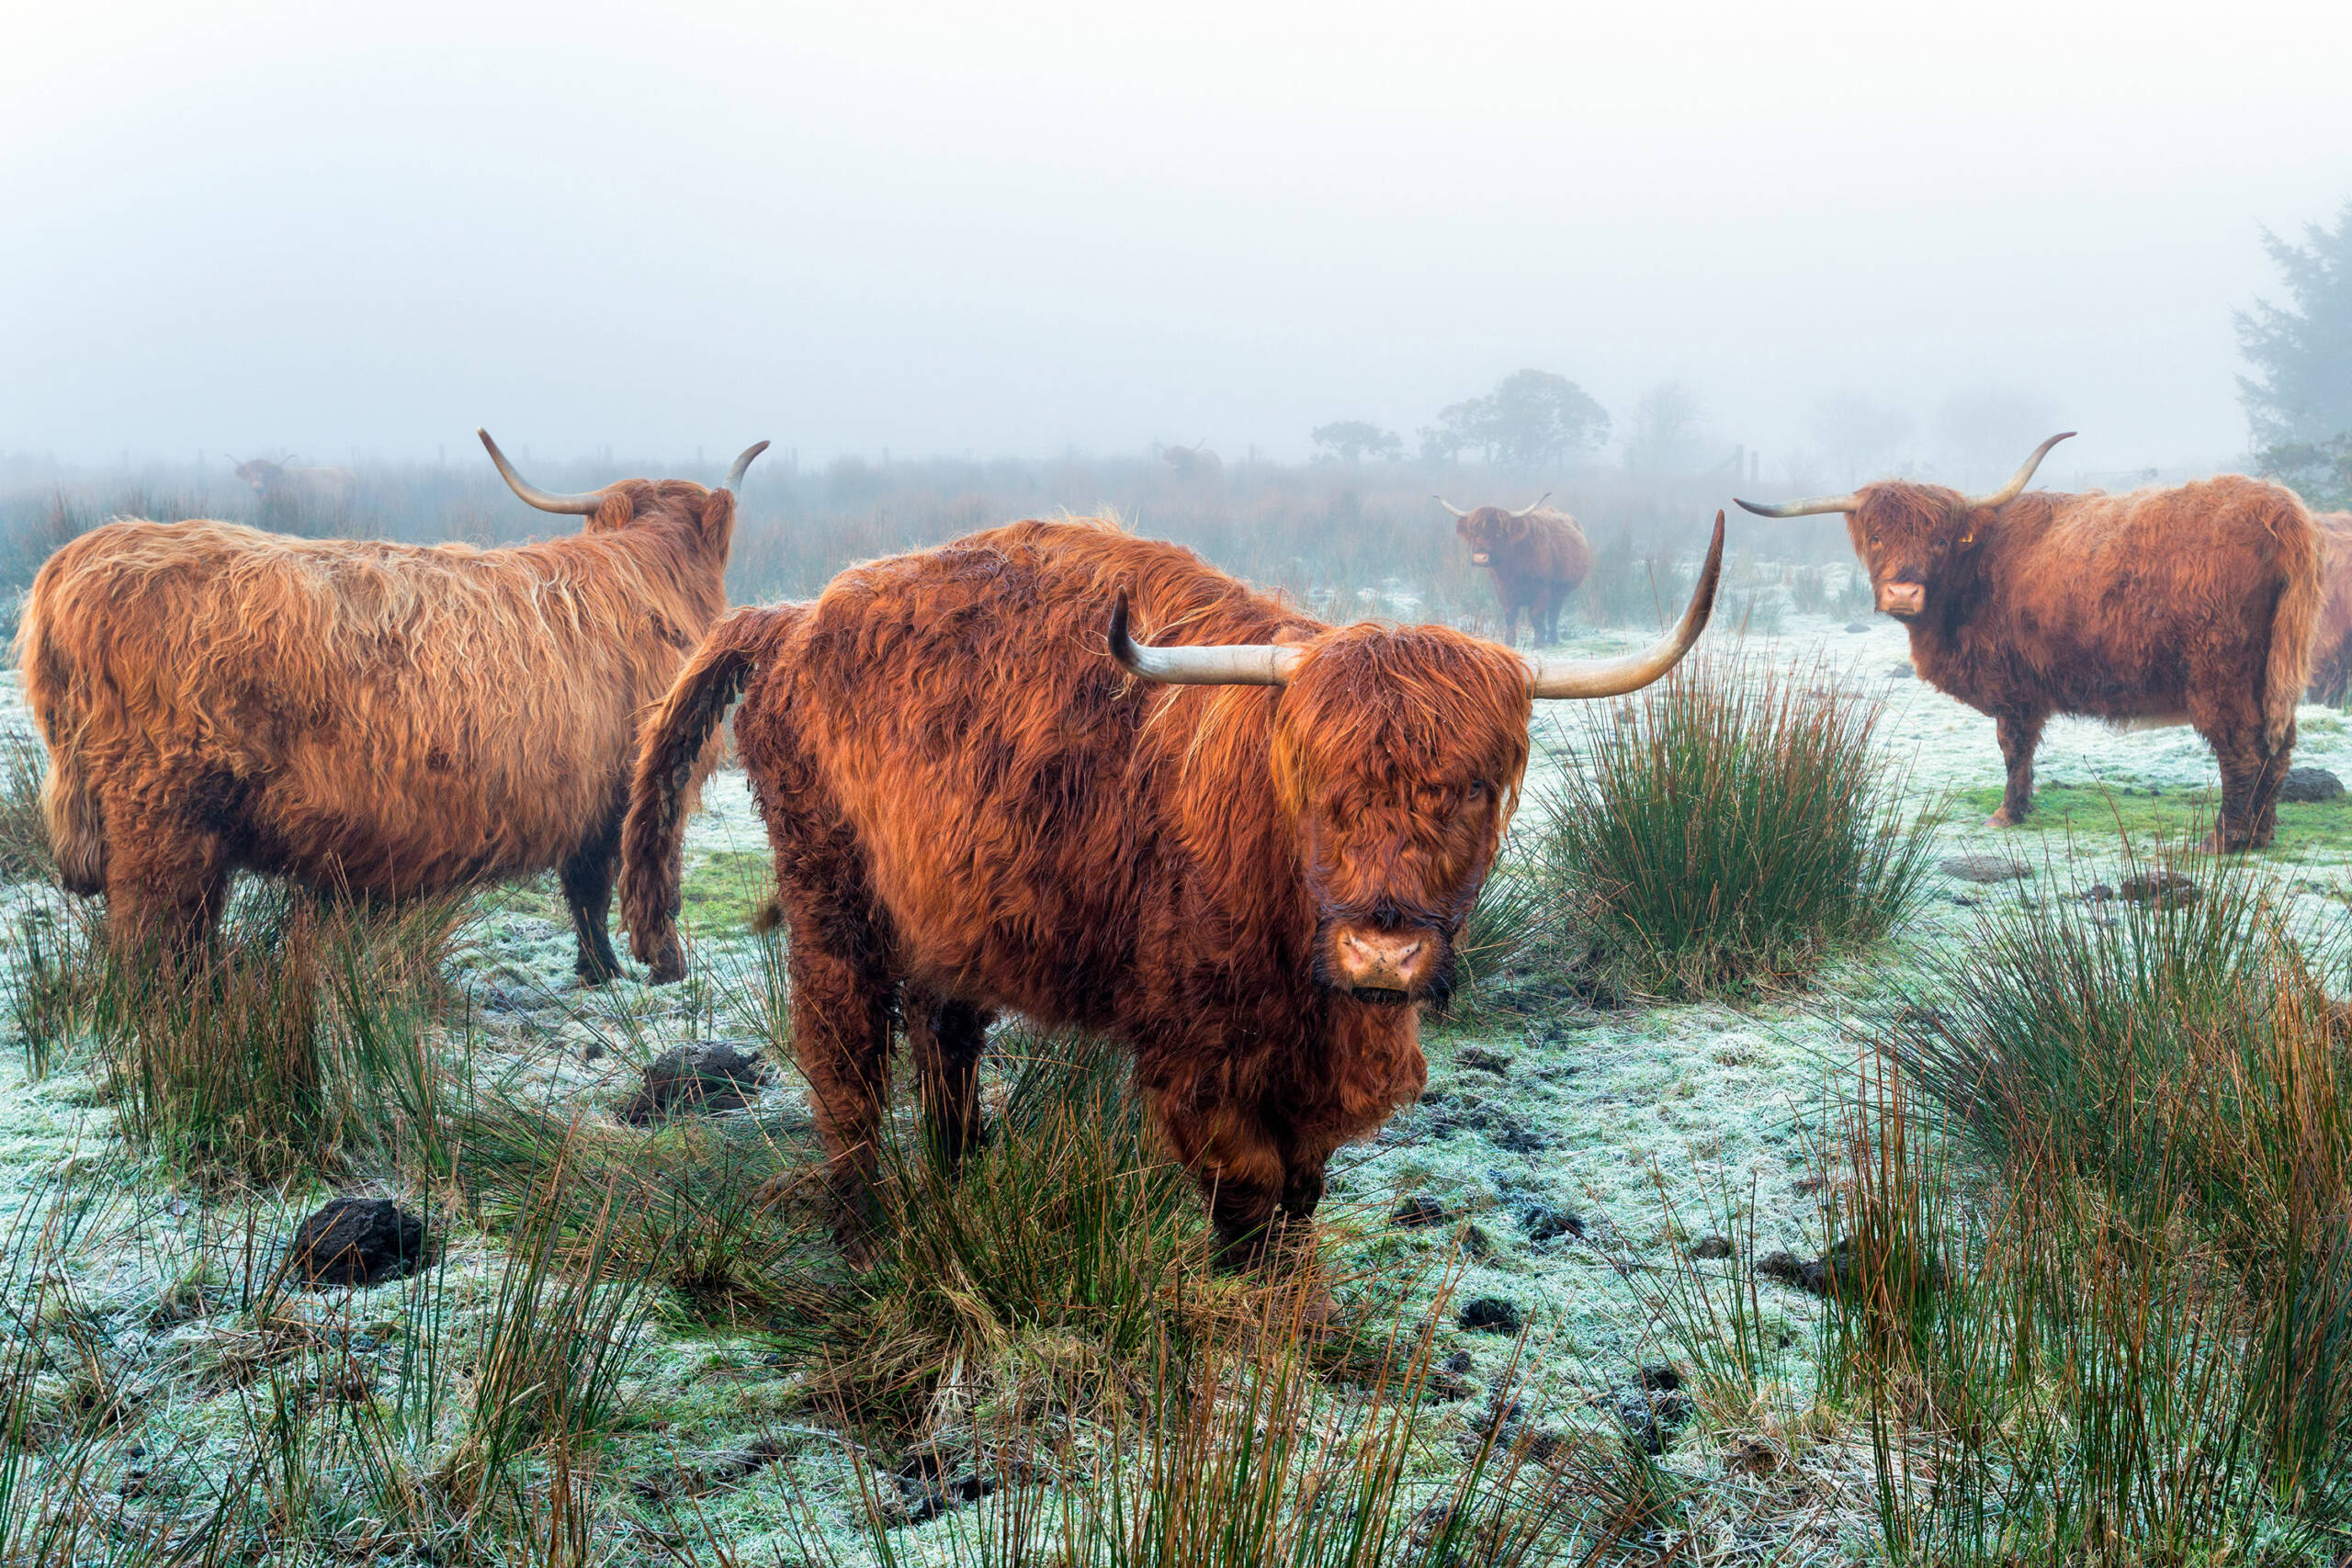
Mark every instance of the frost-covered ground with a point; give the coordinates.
(1575, 1155)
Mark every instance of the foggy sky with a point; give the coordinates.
(347, 231)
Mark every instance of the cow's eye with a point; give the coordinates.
(1477, 791)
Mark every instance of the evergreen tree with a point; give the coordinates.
(2300, 394)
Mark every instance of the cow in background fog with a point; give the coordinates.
(1247, 852)
(2332, 643)
(1539, 558)
(2191, 604)
(365, 717)
(312, 487)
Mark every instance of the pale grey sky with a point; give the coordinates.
(1003, 229)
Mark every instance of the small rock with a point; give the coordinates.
(1902, 672)
(1858, 625)
(1985, 868)
(2164, 889)
(1712, 1246)
(1491, 1315)
(2098, 892)
(356, 1241)
(1546, 1223)
(1486, 1060)
(2304, 785)
(707, 1078)
(1419, 1213)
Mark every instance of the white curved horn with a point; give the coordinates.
(1614, 677)
(1532, 505)
(545, 500)
(1449, 506)
(1232, 664)
(2023, 477)
(1811, 506)
(735, 474)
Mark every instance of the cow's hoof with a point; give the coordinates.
(2003, 818)
(2220, 843)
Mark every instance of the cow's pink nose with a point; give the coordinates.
(1902, 598)
(1478, 557)
(1373, 960)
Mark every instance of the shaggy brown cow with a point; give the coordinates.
(979, 802)
(2332, 642)
(327, 487)
(361, 716)
(2193, 605)
(1537, 559)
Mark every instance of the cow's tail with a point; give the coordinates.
(68, 800)
(2302, 558)
(671, 761)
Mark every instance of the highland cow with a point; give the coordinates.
(1539, 559)
(363, 716)
(2192, 605)
(281, 481)
(1246, 852)
(2332, 642)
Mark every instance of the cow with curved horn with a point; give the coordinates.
(2190, 604)
(365, 717)
(1059, 771)
(1539, 558)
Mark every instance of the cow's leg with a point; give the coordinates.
(1551, 617)
(2019, 734)
(946, 1038)
(2267, 785)
(2232, 724)
(842, 989)
(1235, 1157)
(587, 878)
(166, 878)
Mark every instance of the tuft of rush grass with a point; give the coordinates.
(2094, 1287)
(1514, 921)
(1242, 1456)
(1037, 1274)
(694, 1203)
(300, 1033)
(547, 1375)
(1728, 829)
(24, 828)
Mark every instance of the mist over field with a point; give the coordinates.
(1839, 239)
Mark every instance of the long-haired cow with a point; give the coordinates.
(1539, 557)
(285, 482)
(2192, 605)
(2332, 642)
(1246, 852)
(374, 718)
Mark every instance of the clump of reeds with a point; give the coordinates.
(2095, 1284)
(1039, 1272)
(1728, 829)
(24, 830)
(294, 1036)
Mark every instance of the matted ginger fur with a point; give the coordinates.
(367, 716)
(2194, 603)
(976, 809)
(2332, 640)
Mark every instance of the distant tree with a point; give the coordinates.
(2302, 353)
(1531, 419)
(1354, 440)
(2318, 471)
(1668, 427)
(1858, 436)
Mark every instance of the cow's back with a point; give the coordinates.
(2099, 604)
(387, 717)
(1015, 797)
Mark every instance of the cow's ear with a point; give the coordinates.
(1519, 527)
(718, 516)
